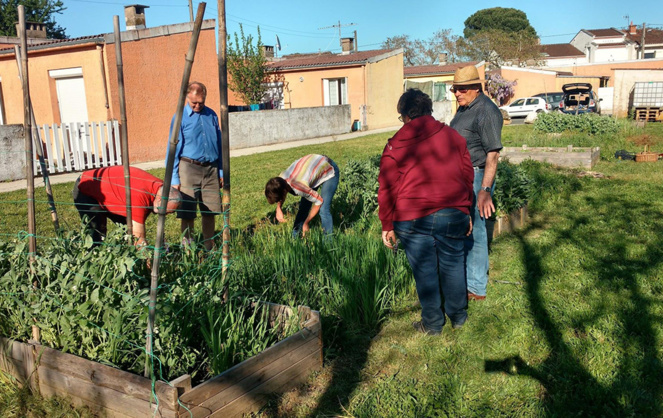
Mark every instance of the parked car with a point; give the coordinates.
(552, 98)
(526, 105)
(579, 98)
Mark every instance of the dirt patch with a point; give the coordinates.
(593, 174)
(645, 140)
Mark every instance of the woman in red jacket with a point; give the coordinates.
(425, 195)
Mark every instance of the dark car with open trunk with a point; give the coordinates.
(579, 98)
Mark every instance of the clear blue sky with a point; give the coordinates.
(297, 22)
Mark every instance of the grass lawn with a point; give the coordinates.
(573, 320)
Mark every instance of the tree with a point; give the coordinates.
(40, 11)
(425, 52)
(247, 67)
(499, 48)
(409, 49)
(498, 18)
(501, 36)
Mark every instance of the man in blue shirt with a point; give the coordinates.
(197, 171)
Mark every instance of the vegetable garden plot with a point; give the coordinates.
(242, 389)
(563, 157)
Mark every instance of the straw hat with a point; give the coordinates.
(466, 76)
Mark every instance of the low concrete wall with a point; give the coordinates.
(252, 129)
(12, 152)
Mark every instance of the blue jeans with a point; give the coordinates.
(326, 191)
(476, 245)
(434, 247)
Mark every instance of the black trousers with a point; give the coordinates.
(93, 214)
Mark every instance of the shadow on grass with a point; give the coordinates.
(607, 230)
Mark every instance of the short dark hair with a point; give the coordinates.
(414, 103)
(276, 190)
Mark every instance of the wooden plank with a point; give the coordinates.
(104, 376)
(62, 130)
(237, 373)
(104, 143)
(111, 144)
(30, 370)
(290, 378)
(73, 142)
(48, 391)
(89, 145)
(73, 387)
(182, 383)
(260, 377)
(51, 158)
(11, 348)
(95, 143)
(116, 142)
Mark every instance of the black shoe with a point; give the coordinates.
(419, 326)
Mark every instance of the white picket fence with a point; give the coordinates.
(79, 146)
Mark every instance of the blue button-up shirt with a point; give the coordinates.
(200, 139)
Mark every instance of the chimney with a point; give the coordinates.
(347, 45)
(632, 29)
(33, 30)
(134, 16)
(442, 58)
(268, 50)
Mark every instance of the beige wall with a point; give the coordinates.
(530, 83)
(304, 88)
(384, 87)
(624, 83)
(42, 86)
(607, 69)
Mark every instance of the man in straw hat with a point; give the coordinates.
(479, 121)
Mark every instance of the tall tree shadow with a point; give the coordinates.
(619, 258)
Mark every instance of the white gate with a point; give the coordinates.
(606, 94)
(78, 146)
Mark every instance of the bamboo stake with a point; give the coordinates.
(27, 134)
(225, 138)
(124, 142)
(38, 146)
(174, 138)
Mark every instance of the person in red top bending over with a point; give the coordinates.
(100, 194)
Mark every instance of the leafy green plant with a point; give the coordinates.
(247, 67)
(588, 123)
(512, 187)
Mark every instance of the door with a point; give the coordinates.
(73, 109)
(532, 105)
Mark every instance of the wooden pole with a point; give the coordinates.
(225, 138)
(27, 133)
(161, 223)
(29, 166)
(124, 142)
(38, 147)
(190, 11)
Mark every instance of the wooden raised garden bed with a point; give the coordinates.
(507, 223)
(564, 157)
(111, 392)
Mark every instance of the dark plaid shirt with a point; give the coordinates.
(480, 123)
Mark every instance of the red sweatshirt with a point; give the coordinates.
(425, 167)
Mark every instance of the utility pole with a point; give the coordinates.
(642, 43)
(339, 26)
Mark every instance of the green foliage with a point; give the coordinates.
(247, 67)
(507, 20)
(357, 195)
(513, 187)
(41, 11)
(588, 123)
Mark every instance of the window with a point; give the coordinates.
(532, 102)
(650, 54)
(335, 91)
(518, 102)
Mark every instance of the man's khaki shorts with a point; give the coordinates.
(199, 185)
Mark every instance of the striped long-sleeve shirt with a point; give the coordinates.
(307, 174)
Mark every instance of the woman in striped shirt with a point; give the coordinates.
(314, 178)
